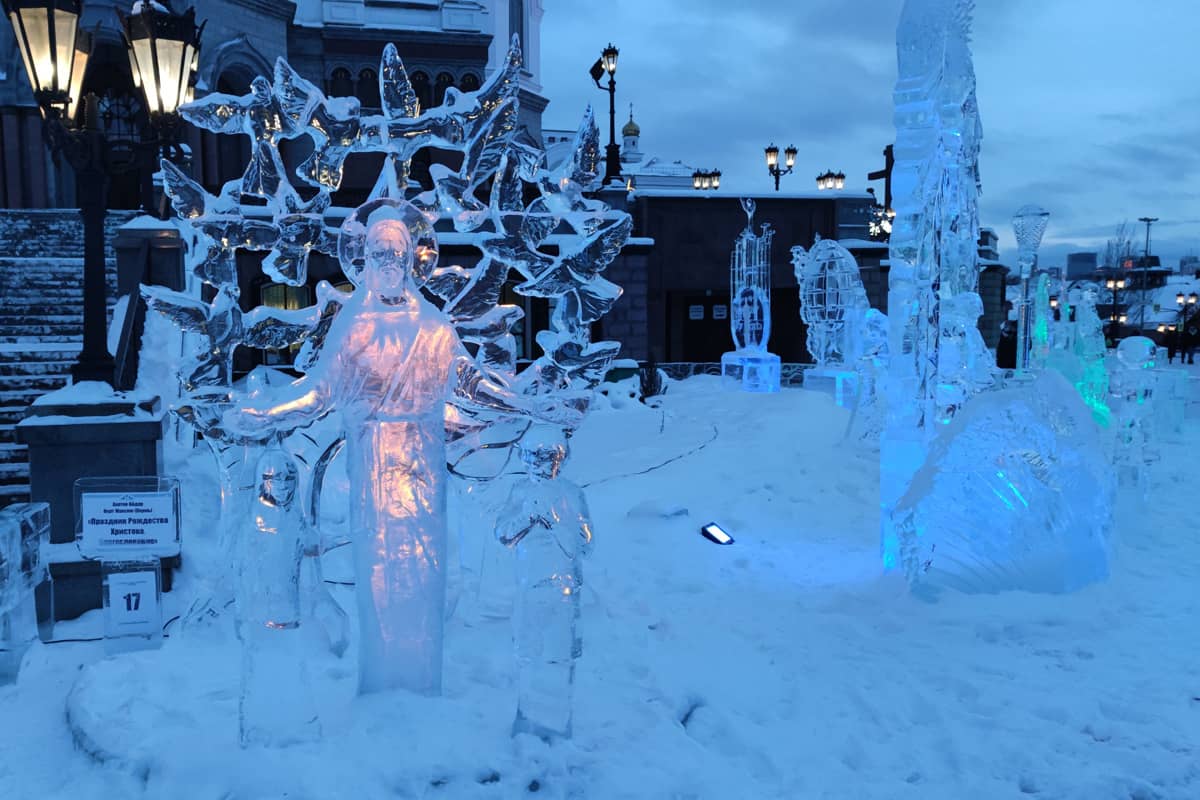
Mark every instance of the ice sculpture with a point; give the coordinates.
(1039, 339)
(933, 246)
(390, 364)
(869, 415)
(276, 705)
(385, 356)
(832, 305)
(1132, 388)
(832, 300)
(546, 521)
(750, 365)
(1091, 349)
(24, 528)
(1029, 225)
(1016, 495)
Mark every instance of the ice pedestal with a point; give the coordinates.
(842, 384)
(752, 371)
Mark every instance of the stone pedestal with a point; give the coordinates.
(83, 432)
(750, 370)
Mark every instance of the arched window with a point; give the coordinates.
(444, 81)
(420, 84)
(368, 89)
(340, 83)
(516, 20)
(469, 82)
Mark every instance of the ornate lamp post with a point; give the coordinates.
(607, 63)
(772, 153)
(162, 48)
(831, 180)
(1115, 285)
(1029, 225)
(706, 179)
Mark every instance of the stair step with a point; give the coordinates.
(42, 383)
(27, 369)
(10, 471)
(13, 494)
(37, 352)
(48, 338)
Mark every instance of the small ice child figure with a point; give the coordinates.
(546, 521)
(276, 704)
(1132, 386)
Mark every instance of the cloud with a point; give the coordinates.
(1075, 117)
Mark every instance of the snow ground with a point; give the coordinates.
(784, 666)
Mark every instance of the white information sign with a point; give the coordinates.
(720, 312)
(696, 312)
(133, 604)
(128, 522)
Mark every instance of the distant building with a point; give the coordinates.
(1189, 264)
(1080, 265)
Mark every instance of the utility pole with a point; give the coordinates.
(1145, 273)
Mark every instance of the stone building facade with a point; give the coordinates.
(336, 44)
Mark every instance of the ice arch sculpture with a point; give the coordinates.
(391, 358)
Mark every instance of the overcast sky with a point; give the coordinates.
(1091, 109)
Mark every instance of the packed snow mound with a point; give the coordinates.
(1016, 494)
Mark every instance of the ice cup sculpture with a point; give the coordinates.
(546, 521)
(276, 706)
(390, 364)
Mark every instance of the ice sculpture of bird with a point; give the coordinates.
(222, 327)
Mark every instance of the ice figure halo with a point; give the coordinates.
(352, 240)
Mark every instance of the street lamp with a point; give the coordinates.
(162, 48)
(1184, 303)
(607, 64)
(789, 155)
(706, 179)
(1115, 285)
(831, 180)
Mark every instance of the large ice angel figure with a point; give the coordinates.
(276, 705)
(546, 521)
(832, 300)
(1016, 496)
(390, 364)
(24, 528)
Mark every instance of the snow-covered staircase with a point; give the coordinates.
(41, 320)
